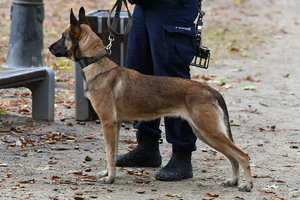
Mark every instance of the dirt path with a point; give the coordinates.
(60, 160)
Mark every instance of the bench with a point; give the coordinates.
(40, 81)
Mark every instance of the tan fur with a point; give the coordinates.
(119, 94)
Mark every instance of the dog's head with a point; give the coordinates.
(77, 41)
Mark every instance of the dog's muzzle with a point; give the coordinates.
(58, 49)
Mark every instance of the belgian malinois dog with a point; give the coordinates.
(119, 94)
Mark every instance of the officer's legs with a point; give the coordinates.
(139, 58)
(172, 46)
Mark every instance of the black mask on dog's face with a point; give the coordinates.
(64, 46)
(59, 49)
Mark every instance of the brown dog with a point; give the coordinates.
(119, 94)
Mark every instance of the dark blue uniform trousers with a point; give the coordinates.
(162, 43)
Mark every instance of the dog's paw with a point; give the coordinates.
(103, 173)
(245, 187)
(230, 183)
(107, 180)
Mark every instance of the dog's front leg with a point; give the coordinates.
(111, 137)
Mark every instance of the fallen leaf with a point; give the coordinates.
(87, 158)
(239, 198)
(7, 175)
(221, 157)
(24, 111)
(77, 172)
(275, 186)
(88, 183)
(227, 86)
(173, 195)
(50, 142)
(212, 164)
(54, 198)
(249, 88)
(267, 192)
(90, 179)
(27, 181)
(233, 49)
(250, 110)
(79, 198)
(137, 173)
(235, 125)
(211, 195)
(65, 181)
(92, 137)
(137, 180)
(51, 162)
(69, 124)
(249, 78)
(289, 165)
(219, 80)
(55, 177)
(236, 70)
(277, 181)
(60, 148)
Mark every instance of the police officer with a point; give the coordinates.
(162, 43)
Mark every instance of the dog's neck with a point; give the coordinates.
(86, 61)
(94, 44)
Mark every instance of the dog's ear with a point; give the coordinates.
(75, 28)
(73, 20)
(82, 18)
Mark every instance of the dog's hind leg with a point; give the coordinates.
(211, 129)
(235, 165)
(111, 136)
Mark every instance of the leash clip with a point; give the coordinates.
(108, 47)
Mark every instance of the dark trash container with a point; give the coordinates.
(98, 23)
(25, 48)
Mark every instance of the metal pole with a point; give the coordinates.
(26, 36)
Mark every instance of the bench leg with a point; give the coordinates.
(43, 97)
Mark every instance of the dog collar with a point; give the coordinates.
(84, 62)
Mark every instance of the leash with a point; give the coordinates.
(112, 26)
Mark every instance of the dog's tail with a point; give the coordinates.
(223, 106)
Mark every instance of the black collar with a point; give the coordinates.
(84, 62)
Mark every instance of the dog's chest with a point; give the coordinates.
(86, 93)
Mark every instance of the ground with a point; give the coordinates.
(255, 65)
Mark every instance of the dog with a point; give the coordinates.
(119, 94)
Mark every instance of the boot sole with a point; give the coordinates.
(133, 164)
(166, 177)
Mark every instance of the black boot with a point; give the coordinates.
(146, 154)
(179, 167)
